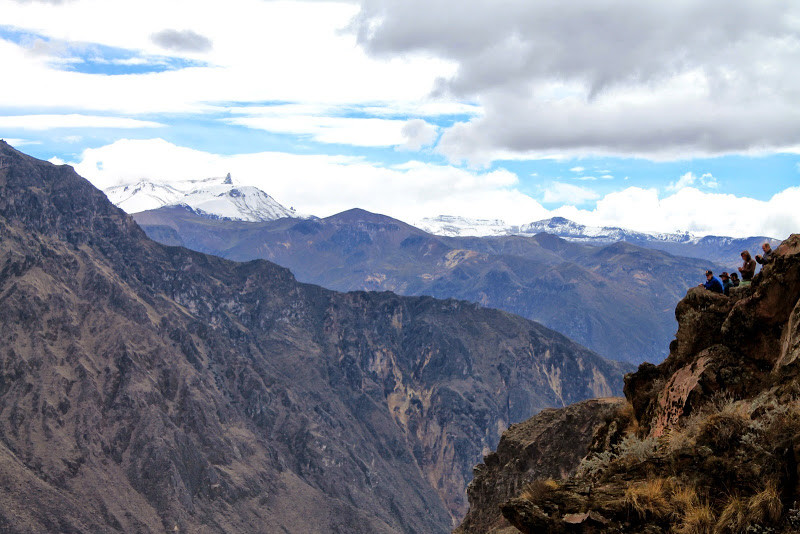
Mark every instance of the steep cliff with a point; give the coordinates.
(708, 441)
(146, 388)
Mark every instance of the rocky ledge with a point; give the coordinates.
(706, 442)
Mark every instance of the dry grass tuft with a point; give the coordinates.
(684, 497)
(765, 507)
(698, 518)
(648, 499)
(537, 489)
(733, 519)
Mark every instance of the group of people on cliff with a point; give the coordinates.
(725, 282)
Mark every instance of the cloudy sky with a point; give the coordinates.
(679, 115)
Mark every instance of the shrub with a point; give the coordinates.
(595, 464)
(635, 450)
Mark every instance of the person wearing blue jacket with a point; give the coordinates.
(713, 283)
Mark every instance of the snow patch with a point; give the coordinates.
(214, 197)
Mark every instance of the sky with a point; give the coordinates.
(655, 116)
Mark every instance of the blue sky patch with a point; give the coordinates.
(92, 58)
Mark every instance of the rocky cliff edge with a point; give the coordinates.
(706, 442)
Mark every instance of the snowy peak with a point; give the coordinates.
(217, 198)
(453, 226)
(143, 196)
(448, 225)
(241, 203)
(600, 234)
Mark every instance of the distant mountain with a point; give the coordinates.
(616, 300)
(720, 250)
(454, 226)
(213, 197)
(146, 388)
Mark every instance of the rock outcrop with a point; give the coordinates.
(708, 441)
(549, 445)
(147, 388)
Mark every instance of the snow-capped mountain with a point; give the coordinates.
(214, 197)
(454, 226)
(599, 235)
(719, 249)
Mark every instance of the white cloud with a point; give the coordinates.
(418, 134)
(262, 51)
(577, 169)
(16, 143)
(703, 213)
(559, 192)
(308, 121)
(658, 89)
(690, 179)
(47, 122)
(424, 108)
(322, 185)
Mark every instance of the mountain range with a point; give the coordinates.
(151, 388)
(218, 198)
(616, 299)
(717, 249)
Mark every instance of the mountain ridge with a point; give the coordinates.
(252, 204)
(616, 299)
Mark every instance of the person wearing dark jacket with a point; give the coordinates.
(748, 268)
(735, 279)
(713, 283)
(726, 283)
(767, 257)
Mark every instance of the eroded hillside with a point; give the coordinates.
(145, 388)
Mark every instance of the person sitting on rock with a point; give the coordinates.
(713, 283)
(735, 279)
(748, 268)
(767, 257)
(726, 283)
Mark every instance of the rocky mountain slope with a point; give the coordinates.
(146, 388)
(706, 442)
(216, 198)
(616, 300)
